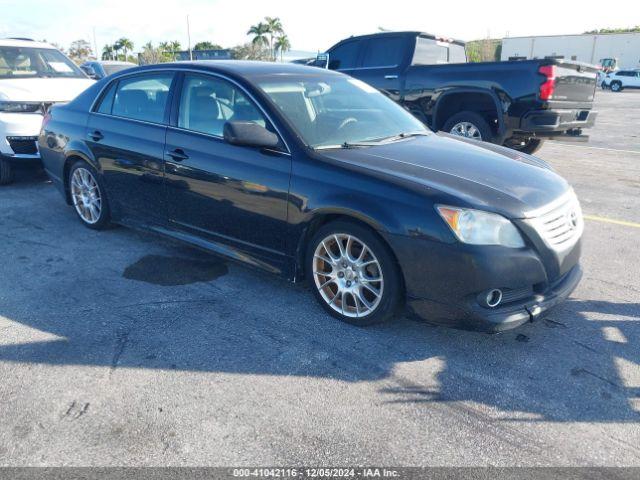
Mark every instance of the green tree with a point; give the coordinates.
(80, 50)
(616, 30)
(207, 46)
(259, 32)
(170, 49)
(124, 44)
(108, 52)
(274, 28)
(282, 45)
(250, 51)
(151, 55)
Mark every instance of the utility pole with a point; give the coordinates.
(189, 39)
(95, 44)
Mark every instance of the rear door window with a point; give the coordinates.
(344, 56)
(383, 52)
(143, 97)
(207, 103)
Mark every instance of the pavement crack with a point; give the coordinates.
(76, 410)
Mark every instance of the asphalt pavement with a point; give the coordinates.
(121, 348)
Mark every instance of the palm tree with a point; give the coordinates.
(107, 52)
(274, 26)
(282, 45)
(259, 33)
(124, 44)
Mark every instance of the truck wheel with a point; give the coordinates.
(469, 125)
(530, 145)
(6, 172)
(616, 86)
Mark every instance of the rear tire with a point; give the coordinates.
(88, 196)
(342, 262)
(6, 172)
(469, 124)
(616, 86)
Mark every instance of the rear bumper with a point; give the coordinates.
(552, 122)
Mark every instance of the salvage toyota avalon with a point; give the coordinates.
(312, 174)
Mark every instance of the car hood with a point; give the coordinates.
(42, 89)
(480, 174)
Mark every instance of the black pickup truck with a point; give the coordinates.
(518, 104)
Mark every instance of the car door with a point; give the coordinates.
(381, 64)
(126, 135)
(232, 196)
(345, 56)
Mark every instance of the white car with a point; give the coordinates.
(621, 79)
(33, 76)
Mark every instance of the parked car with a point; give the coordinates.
(33, 76)
(98, 69)
(618, 81)
(517, 104)
(307, 172)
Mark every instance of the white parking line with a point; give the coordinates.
(637, 152)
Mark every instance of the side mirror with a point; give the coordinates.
(249, 134)
(90, 71)
(322, 60)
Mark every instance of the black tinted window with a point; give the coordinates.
(624, 74)
(143, 97)
(383, 52)
(206, 103)
(344, 56)
(107, 99)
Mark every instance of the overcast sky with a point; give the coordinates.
(310, 25)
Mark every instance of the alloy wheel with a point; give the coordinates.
(466, 129)
(348, 275)
(85, 194)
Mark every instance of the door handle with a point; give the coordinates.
(178, 154)
(391, 77)
(96, 135)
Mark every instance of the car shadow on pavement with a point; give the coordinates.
(76, 297)
(570, 367)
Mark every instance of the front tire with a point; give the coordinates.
(353, 274)
(88, 196)
(616, 86)
(530, 145)
(469, 124)
(6, 172)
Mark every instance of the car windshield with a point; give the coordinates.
(338, 111)
(109, 69)
(25, 62)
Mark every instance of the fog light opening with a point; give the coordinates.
(494, 297)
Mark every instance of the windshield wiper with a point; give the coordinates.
(400, 136)
(375, 141)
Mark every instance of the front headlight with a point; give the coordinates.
(19, 107)
(480, 228)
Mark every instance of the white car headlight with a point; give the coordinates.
(19, 107)
(480, 228)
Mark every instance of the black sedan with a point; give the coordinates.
(309, 173)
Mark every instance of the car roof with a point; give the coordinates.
(242, 68)
(412, 33)
(15, 42)
(112, 62)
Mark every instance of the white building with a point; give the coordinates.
(588, 48)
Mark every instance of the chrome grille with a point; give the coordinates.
(560, 224)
